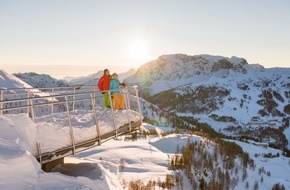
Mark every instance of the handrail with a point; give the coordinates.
(38, 91)
(49, 97)
(54, 98)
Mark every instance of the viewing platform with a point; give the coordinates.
(75, 114)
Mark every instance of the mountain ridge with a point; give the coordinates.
(46, 81)
(8, 81)
(40, 80)
(227, 93)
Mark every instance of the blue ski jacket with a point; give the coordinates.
(115, 86)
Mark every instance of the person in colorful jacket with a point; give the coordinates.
(104, 85)
(118, 98)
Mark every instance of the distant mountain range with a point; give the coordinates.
(8, 81)
(40, 80)
(46, 81)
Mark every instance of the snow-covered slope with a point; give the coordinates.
(118, 162)
(227, 93)
(8, 81)
(86, 79)
(40, 80)
(12, 87)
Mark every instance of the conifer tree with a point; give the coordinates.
(256, 185)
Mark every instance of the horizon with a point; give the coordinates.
(63, 71)
(79, 70)
(130, 33)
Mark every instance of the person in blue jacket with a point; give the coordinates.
(118, 99)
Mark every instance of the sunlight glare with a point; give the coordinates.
(138, 50)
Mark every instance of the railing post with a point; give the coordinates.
(96, 120)
(52, 99)
(32, 110)
(39, 152)
(27, 102)
(1, 99)
(94, 100)
(110, 99)
(113, 115)
(139, 107)
(127, 98)
(74, 97)
(94, 96)
(70, 126)
(127, 109)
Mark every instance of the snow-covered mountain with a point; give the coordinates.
(85, 79)
(8, 81)
(11, 87)
(40, 80)
(232, 96)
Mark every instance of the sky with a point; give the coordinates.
(70, 37)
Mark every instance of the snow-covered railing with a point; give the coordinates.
(75, 112)
(21, 95)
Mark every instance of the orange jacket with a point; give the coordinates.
(104, 83)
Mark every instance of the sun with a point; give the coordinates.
(138, 50)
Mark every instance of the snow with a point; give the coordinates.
(5, 81)
(89, 170)
(83, 124)
(170, 144)
(287, 134)
(99, 168)
(279, 167)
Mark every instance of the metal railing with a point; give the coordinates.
(75, 113)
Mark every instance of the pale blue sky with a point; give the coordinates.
(99, 33)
